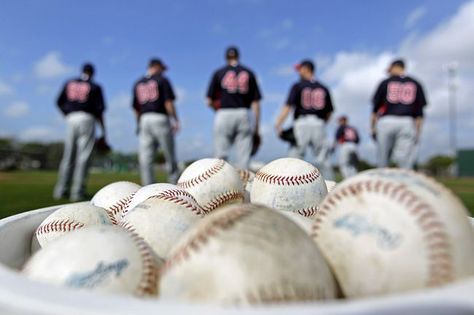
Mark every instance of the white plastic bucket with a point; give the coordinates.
(21, 296)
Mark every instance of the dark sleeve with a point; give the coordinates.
(379, 97)
(293, 95)
(214, 86)
(135, 104)
(357, 136)
(62, 99)
(328, 102)
(420, 101)
(339, 133)
(167, 89)
(100, 103)
(256, 95)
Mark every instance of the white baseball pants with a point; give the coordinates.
(346, 163)
(155, 131)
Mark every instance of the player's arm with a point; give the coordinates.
(377, 101)
(421, 103)
(212, 91)
(170, 106)
(100, 103)
(136, 109)
(257, 96)
(61, 100)
(285, 111)
(328, 106)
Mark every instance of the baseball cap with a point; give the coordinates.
(88, 68)
(342, 117)
(305, 63)
(398, 62)
(232, 52)
(157, 62)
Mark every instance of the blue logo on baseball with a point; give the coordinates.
(359, 225)
(94, 277)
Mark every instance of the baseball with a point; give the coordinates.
(213, 183)
(69, 218)
(289, 185)
(144, 193)
(162, 219)
(245, 254)
(247, 178)
(330, 185)
(389, 230)
(114, 198)
(101, 259)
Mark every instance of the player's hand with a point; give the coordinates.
(175, 126)
(373, 134)
(278, 130)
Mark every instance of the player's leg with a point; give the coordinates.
(162, 131)
(386, 131)
(243, 138)
(321, 149)
(146, 149)
(344, 166)
(67, 162)
(302, 131)
(353, 159)
(405, 144)
(223, 133)
(85, 146)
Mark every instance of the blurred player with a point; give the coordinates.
(313, 107)
(153, 103)
(232, 92)
(82, 103)
(347, 138)
(397, 117)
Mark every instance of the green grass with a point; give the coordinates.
(26, 190)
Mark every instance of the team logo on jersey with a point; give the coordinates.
(233, 83)
(313, 98)
(78, 91)
(147, 92)
(350, 134)
(401, 93)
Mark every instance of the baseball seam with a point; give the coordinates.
(202, 237)
(148, 284)
(65, 225)
(281, 293)
(117, 207)
(288, 180)
(308, 212)
(218, 165)
(440, 261)
(222, 199)
(176, 196)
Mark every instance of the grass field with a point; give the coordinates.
(26, 190)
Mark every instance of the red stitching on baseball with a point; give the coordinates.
(440, 261)
(202, 237)
(288, 180)
(281, 293)
(223, 199)
(308, 212)
(219, 165)
(117, 207)
(175, 196)
(58, 226)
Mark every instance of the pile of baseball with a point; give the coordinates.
(233, 237)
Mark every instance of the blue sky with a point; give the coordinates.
(42, 43)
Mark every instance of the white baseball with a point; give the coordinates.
(69, 218)
(114, 198)
(289, 185)
(163, 218)
(213, 183)
(246, 254)
(388, 230)
(144, 193)
(305, 223)
(247, 178)
(102, 259)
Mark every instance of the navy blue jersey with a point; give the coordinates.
(399, 96)
(347, 134)
(234, 87)
(310, 98)
(150, 94)
(81, 95)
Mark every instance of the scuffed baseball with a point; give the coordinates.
(387, 230)
(163, 218)
(144, 193)
(289, 184)
(101, 259)
(69, 218)
(246, 254)
(115, 197)
(247, 177)
(214, 183)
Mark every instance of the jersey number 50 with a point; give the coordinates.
(313, 98)
(404, 93)
(233, 83)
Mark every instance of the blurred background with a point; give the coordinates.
(43, 43)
